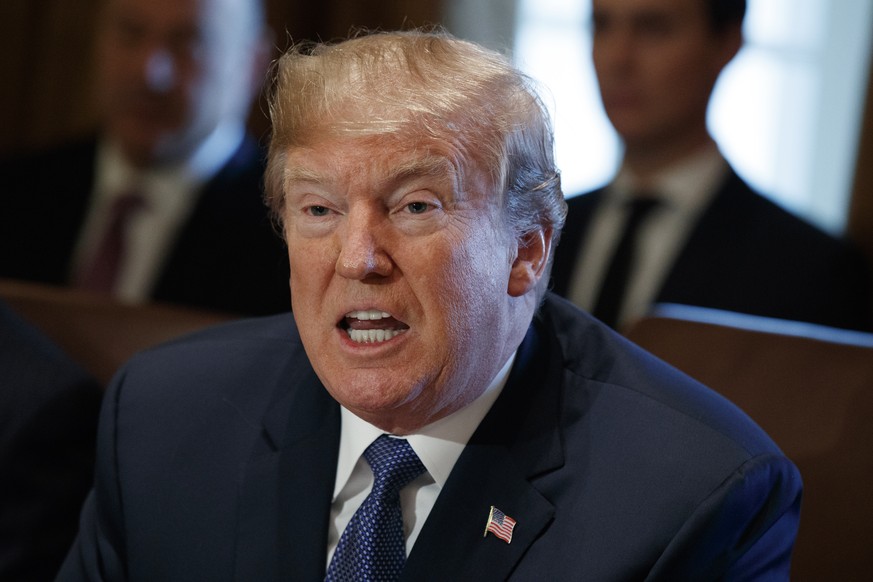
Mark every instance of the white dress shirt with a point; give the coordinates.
(170, 194)
(684, 191)
(438, 445)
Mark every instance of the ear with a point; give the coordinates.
(530, 262)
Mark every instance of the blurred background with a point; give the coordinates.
(793, 113)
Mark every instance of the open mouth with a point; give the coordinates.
(371, 326)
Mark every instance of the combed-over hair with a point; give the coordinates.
(422, 84)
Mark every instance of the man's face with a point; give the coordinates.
(401, 275)
(656, 63)
(169, 71)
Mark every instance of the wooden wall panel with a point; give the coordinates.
(46, 68)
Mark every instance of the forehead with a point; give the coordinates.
(374, 159)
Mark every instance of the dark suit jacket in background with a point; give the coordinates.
(217, 458)
(747, 254)
(227, 257)
(48, 427)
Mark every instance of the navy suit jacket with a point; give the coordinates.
(217, 458)
(227, 256)
(48, 428)
(749, 255)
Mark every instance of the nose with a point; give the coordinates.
(363, 254)
(159, 70)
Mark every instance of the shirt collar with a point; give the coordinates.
(114, 171)
(168, 189)
(687, 185)
(438, 444)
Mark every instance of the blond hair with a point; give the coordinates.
(421, 84)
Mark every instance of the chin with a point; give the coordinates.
(361, 393)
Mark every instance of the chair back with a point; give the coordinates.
(811, 389)
(99, 333)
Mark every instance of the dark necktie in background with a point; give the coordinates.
(373, 546)
(101, 274)
(612, 293)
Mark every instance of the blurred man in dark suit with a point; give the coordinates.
(48, 425)
(677, 224)
(165, 204)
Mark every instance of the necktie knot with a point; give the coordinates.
(639, 208)
(613, 288)
(394, 464)
(372, 547)
(129, 202)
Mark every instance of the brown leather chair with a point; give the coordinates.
(97, 332)
(811, 389)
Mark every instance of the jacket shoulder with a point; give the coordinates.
(598, 360)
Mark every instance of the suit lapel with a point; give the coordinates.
(517, 441)
(710, 248)
(452, 545)
(283, 535)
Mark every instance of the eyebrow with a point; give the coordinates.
(302, 174)
(427, 166)
(431, 165)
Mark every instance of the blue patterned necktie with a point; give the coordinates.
(372, 546)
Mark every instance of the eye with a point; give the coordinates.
(418, 207)
(316, 210)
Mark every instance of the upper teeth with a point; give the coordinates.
(368, 314)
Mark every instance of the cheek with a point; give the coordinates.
(198, 95)
(477, 275)
(310, 271)
(684, 65)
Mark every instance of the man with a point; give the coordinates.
(166, 204)
(48, 425)
(702, 236)
(414, 178)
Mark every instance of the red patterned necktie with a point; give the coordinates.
(101, 274)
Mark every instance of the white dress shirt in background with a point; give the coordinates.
(684, 191)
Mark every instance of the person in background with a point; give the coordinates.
(429, 411)
(165, 203)
(48, 428)
(677, 224)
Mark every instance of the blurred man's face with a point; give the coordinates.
(656, 63)
(170, 70)
(402, 279)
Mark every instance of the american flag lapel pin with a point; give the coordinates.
(500, 524)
